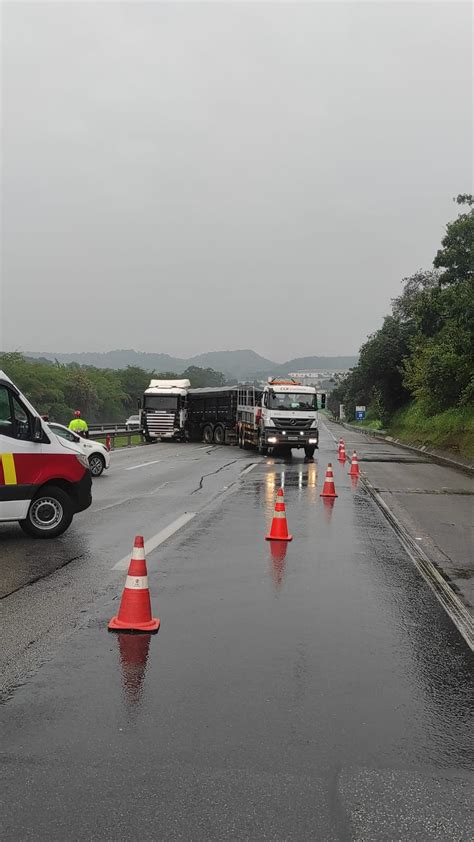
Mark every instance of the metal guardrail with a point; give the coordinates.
(110, 427)
(114, 431)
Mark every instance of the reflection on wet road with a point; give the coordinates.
(311, 690)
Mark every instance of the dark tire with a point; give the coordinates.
(241, 439)
(148, 439)
(50, 513)
(96, 464)
(208, 434)
(309, 452)
(219, 435)
(261, 447)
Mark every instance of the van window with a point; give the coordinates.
(14, 420)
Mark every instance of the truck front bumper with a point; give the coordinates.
(291, 438)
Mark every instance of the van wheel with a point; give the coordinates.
(219, 435)
(96, 464)
(50, 513)
(208, 434)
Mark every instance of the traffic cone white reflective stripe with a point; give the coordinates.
(137, 583)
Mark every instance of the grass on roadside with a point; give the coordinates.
(450, 430)
(122, 441)
(369, 424)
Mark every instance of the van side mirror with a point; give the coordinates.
(37, 428)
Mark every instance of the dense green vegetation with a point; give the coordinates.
(416, 373)
(101, 394)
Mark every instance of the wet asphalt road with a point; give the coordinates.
(314, 690)
(434, 503)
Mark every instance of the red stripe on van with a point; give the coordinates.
(38, 468)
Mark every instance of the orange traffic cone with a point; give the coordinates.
(354, 470)
(328, 487)
(342, 454)
(135, 607)
(279, 527)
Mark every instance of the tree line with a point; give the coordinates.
(424, 351)
(101, 394)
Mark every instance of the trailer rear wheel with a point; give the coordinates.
(208, 434)
(219, 434)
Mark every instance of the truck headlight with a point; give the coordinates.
(272, 440)
(312, 441)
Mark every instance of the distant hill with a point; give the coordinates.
(235, 364)
(318, 363)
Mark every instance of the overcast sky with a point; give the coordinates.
(189, 177)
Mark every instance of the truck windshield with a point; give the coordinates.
(163, 402)
(298, 401)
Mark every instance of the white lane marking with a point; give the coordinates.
(327, 429)
(157, 539)
(248, 469)
(142, 465)
(158, 487)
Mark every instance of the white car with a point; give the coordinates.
(133, 421)
(97, 454)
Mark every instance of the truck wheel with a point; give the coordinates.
(96, 464)
(309, 452)
(219, 435)
(262, 447)
(208, 434)
(50, 513)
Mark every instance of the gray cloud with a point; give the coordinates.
(187, 177)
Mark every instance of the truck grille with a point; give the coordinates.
(292, 423)
(160, 423)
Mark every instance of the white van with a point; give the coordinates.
(44, 480)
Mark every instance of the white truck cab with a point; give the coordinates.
(282, 415)
(163, 410)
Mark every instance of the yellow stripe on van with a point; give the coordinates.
(9, 473)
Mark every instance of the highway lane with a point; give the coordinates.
(46, 587)
(435, 503)
(314, 690)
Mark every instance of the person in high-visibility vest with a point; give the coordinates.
(78, 425)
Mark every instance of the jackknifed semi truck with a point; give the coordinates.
(279, 415)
